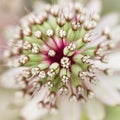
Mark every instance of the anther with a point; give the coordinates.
(65, 62)
(36, 49)
(49, 84)
(27, 45)
(73, 98)
(61, 21)
(71, 47)
(35, 71)
(27, 73)
(90, 94)
(27, 31)
(93, 80)
(50, 33)
(51, 73)
(81, 18)
(62, 33)
(54, 10)
(23, 59)
(38, 34)
(86, 59)
(104, 59)
(87, 38)
(108, 72)
(63, 90)
(79, 89)
(75, 25)
(51, 53)
(65, 79)
(106, 32)
(42, 74)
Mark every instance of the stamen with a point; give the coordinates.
(75, 25)
(49, 84)
(65, 79)
(27, 32)
(108, 71)
(106, 32)
(93, 80)
(90, 94)
(87, 38)
(51, 73)
(80, 18)
(71, 47)
(42, 74)
(36, 49)
(38, 34)
(65, 62)
(63, 90)
(50, 33)
(61, 22)
(23, 59)
(51, 53)
(35, 71)
(27, 73)
(54, 10)
(62, 33)
(79, 89)
(73, 98)
(27, 45)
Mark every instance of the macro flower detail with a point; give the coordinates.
(58, 50)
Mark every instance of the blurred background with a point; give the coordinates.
(10, 13)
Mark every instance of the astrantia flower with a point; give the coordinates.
(59, 53)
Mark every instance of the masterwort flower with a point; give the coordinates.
(59, 54)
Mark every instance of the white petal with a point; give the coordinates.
(113, 62)
(95, 110)
(116, 34)
(109, 21)
(70, 110)
(3, 46)
(94, 6)
(39, 6)
(31, 111)
(62, 2)
(115, 80)
(8, 79)
(105, 91)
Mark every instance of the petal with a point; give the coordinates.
(115, 80)
(70, 110)
(109, 21)
(105, 91)
(31, 111)
(116, 34)
(2, 46)
(8, 79)
(95, 110)
(7, 110)
(39, 6)
(94, 6)
(62, 2)
(113, 62)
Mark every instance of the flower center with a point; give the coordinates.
(57, 55)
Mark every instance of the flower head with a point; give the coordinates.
(60, 60)
(58, 50)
